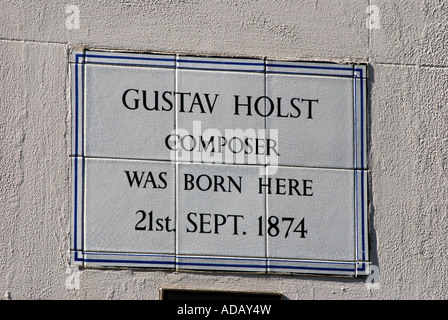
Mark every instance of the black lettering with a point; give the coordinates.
(191, 145)
(261, 185)
(235, 184)
(216, 184)
(210, 106)
(280, 186)
(167, 228)
(134, 178)
(249, 148)
(293, 184)
(232, 145)
(209, 182)
(204, 145)
(235, 222)
(222, 142)
(284, 186)
(295, 108)
(269, 147)
(150, 178)
(188, 181)
(159, 224)
(219, 180)
(195, 226)
(162, 179)
(307, 186)
(167, 140)
(182, 94)
(259, 144)
(310, 104)
(219, 223)
(204, 222)
(145, 100)
(136, 101)
(197, 101)
(170, 103)
(279, 109)
(271, 104)
(137, 226)
(237, 105)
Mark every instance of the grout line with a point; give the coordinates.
(408, 65)
(219, 164)
(263, 225)
(35, 41)
(304, 59)
(369, 36)
(176, 171)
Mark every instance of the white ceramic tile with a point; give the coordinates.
(218, 211)
(312, 267)
(214, 263)
(165, 261)
(130, 59)
(242, 230)
(120, 122)
(76, 55)
(360, 71)
(314, 119)
(364, 269)
(360, 123)
(77, 107)
(76, 258)
(311, 214)
(216, 109)
(129, 206)
(361, 217)
(77, 216)
(309, 68)
(222, 64)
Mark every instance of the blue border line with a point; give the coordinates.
(132, 65)
(363, 268)
(220, 63)
(128, 58)
(312, 74)
(267, 266)
(352, 270)
(362, 161)
(361, 78)
(222, 258)
(355, 131)
(76, 148)
(362, 165)
(313, 262)
(75, 238)
(131, 261)
(131, 254)
(308, 67)
(221, 265)
(223, 63)
(217, 69)
(98, 260)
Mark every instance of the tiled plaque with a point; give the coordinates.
(218, 164)
(219, 208)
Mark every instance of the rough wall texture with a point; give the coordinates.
(408, 121)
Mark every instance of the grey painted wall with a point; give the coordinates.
(408, 121)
